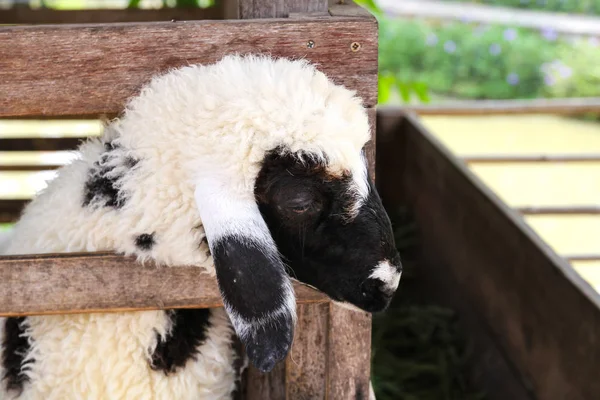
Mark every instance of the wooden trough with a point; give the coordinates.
(533, 322)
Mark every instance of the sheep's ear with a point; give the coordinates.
(256, 290)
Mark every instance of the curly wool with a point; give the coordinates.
(190, 124)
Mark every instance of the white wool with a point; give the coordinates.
(186, 127)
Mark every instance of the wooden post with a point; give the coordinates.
(278, 8)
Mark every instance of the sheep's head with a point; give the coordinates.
(331, 236)
(275, 151)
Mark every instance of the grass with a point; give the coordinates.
(419, 352)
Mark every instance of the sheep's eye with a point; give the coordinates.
(299, 204)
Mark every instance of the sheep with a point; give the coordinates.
(249, 167)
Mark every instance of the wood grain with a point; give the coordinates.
(40, 144)
(26, 15)
(306, 364)
(349, 353)
(103, 282)
(539, 311)
(10, 209)
(263, 9)
(566, 106)
(269, 386)
(87, 69)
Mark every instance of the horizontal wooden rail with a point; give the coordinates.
(94, 68)
(104, 282)
(26, 168)
(40, 144)
(582, 257)
(538, 309)
(559, 210)
(26, 15)
(565, 106)
(10, 209)
(529, 158)
(572, 24)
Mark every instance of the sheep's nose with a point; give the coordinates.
(388, 274)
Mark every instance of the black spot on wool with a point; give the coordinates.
(189, 332)
(15, 347)
(102, 185)
(145, 241)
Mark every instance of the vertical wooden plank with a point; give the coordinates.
(304, 6)
(349, 353)
(306, 365)
(230, 9)
(370, 148)
(262, 9)
(270, 386)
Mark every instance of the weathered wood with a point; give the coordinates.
(27, 167)
(349, 353)
(539, 310)
(307, 6)
(582, 257)
(348, 8)
(571, 106)
(265, 386)
(558, 210)
(26, 15)
(40, 144)
(370, 146)
(92, 69)
(102, 282)
(10, 209)
(306, 365)
(530, 158)
(249, 9)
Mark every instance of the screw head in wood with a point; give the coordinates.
(355, 46)
(310, 44)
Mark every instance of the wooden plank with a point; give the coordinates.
(249, 9)
(269, 386)
(558, 210)
(102, 282)
(307, 6)
(539, 310)
(28, 167)
(26, 15)
(529, 158)
(306, 364)
(581, 257)
(40, 144)
(567, 23)
(573, 106)
(347, 8)
(349, 353)
(10, 209)
(370, 146)
(92, 69)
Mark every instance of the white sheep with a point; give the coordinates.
(231, 167)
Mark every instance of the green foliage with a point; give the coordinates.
(578, 75)
(483, 62)
(574, 6)
(464, 60)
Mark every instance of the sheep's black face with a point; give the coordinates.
(352, 258)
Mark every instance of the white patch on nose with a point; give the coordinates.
(388, 274)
